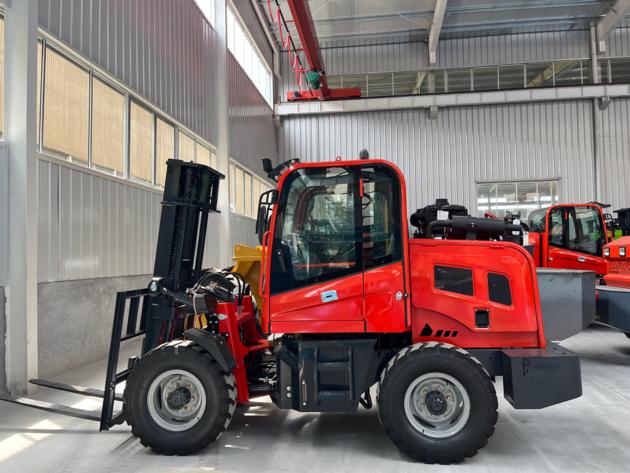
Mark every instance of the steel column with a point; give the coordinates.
(20, 94)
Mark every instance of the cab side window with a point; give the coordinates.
(380, 216)
(556, 228)
(317, 236)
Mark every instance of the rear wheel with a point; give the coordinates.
(436, 403)
(177, 401)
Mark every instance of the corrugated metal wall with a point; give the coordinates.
(242, 230)
(619, 41)
(513, 48)
(444, 157)
(252, 132)
(615, 154)
(250, 18)
(91, 226)
(162, 49)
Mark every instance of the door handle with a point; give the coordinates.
(329, 296)
(581, 259)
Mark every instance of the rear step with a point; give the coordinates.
(135, 327)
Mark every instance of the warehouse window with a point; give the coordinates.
(1, 77)
(206, 156)
(451, 279)
(207, 8)
(502, 197)
(67, 103)
(164, 148)
(125, 138)
(186, 147)
(108, 127)
(140, 143)
(245, 191)
(247, 55)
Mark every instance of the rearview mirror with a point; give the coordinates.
(261, 222)
(267, 165)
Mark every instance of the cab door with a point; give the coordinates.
(576, 238)
(382, 231)
(316, 273)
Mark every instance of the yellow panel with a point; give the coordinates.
(203, 155)
(66, 106)
(186, 147)
(141, 143)
(108, 127)
(165, 149)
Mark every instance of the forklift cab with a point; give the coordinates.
(570, 237)
(335, 249)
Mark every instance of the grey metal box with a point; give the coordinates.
(567, 299)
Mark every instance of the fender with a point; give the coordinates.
(215, 345)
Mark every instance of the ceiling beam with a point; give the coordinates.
(609, 22)
(436, 28)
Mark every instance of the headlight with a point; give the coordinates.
(622, 251)
(606, 252)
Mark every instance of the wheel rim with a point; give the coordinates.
(437, 405)
(176, 400)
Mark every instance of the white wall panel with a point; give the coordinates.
(446, 156)
(243, 230)
(252, 132)
(92, 226)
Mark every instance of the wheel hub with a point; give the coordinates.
(437, 405)
(176, 400)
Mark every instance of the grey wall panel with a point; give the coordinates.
(615, 154)
(163, 49)
(250, 17)
(513, 48)
(242, 230)
(75, 320)
(92, 226)
(619, 42)
(252, 132)
(446, 156)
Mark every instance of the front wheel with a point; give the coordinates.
(436, 403)
(177, 401)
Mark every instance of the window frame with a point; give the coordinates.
(526, 207)
(290, 283)
(41, 117)
(244, 49)
(95, 72)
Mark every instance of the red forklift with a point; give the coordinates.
(350, 303)
(570, 236)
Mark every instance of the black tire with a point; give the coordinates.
(408, 366)
(220, 398)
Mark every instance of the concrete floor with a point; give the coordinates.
(589, 434)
